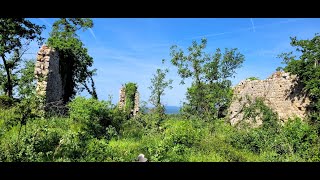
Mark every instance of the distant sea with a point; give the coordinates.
(172, 109)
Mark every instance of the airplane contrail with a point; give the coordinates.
(91, 31)
(252, 25)
(246, 29)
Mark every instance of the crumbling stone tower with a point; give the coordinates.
(122, 98)
(47, 73)
(122, 101)
(136, 103)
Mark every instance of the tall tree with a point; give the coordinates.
(74, 59)
(158, 86)
(210, 91)
(307, 68)
(218, 70)
(191, 66)
(14, 34)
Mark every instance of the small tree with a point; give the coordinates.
(15, 33)
(158, 86)
(210, 91)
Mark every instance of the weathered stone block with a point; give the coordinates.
(48, 84)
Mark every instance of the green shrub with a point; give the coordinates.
(154, 147)
(133, 128)
(96, 151)
(301, 137)
(184, 132)
(124, 150)
(200, 156)
(9, 117)
(93, 114)
(32, 142)
(252, 78)
(6, 102)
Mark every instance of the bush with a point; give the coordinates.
(9, 118)
(252, 78)
(124, 150)
(95, 115)
(96, 151)
(183, 132)
(301, 137)
(133, 128)
(6, 102)
(35, 141)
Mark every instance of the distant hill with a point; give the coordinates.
(172, 109)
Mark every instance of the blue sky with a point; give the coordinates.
(131, 49)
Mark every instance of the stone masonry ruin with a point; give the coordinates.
(122, 101)
(49, 83)
(281, 92)
(53, 88)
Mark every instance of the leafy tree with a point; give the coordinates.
(210, 91)
(218, 70)
(191, 66)
(14, 34)
(74, 58)
(26, 83)
(159, 84)
(307, 68)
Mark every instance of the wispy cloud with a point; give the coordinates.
(123, 58)
(246, 29)
(210, 35)
(92, 33)
(252, 25)
(45, 22)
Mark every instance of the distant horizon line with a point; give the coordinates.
(166, 106)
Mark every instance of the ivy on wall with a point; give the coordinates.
(130, 91)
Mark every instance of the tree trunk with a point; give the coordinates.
(9, 88)
(158, 100)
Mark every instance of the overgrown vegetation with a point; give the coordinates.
(74, 58)
(130, 90)
(98, 131)
(252, 78)
(307, 67)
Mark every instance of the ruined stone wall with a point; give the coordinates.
(136, 103)
(122, 101)
(48, 76)
(281, 92)
(122, 98)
